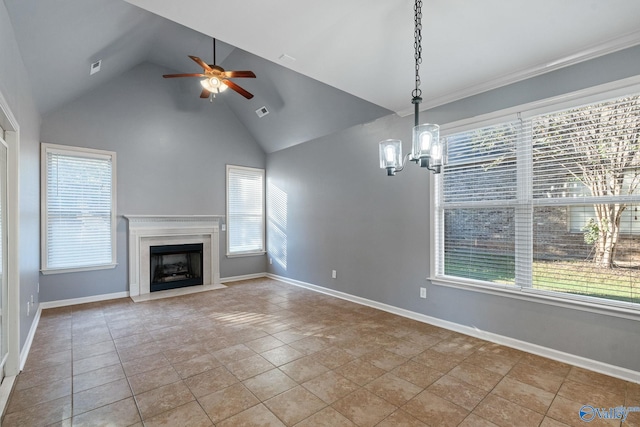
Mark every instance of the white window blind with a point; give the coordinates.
(245, 210)
(78, 209)
(510, 197)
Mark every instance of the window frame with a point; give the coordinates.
(262, 251)
(89, 153)
(594, 94)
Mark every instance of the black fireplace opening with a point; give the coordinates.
(175, 266)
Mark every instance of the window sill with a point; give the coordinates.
(47, 271)
(246, 254)
(574, 302)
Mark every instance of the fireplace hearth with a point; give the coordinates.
(175, 266)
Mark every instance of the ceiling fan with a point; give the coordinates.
(216, 79)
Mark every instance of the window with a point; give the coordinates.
(245, 211)
(546, 204)
(78, 209)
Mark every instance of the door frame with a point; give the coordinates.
(12, 139)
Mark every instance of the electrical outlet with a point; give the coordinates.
(333, 274)
(31, 299)
(38, 287)
(270, 261)
(423, 292)
(28, 308)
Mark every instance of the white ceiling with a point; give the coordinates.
(365, 47)
(362, 49)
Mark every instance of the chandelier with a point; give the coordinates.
(427, 149)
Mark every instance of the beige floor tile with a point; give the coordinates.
(536, 377)
(257, 415)
(524, 395)
(145, 364)
(96, 397)
(401, 419)
(210, 381)
(263, 344)
(269, 384)
(330, 386)
(492, 362)
(43, 414)
(303, 369)
(184, 353)
(590, 395)
(227, 402)
(328, 417)
(189, 414)
(28, 379)
(95, 362)
(434, 410)
(121, 413)
(475, 421)
(282, 355)
(162, 399)
(439, 361)
(476, 376)
(153, 379)
(384, 359)
(505, 413)
(364, 408)
(333, 357)
(294, 405)
(233, 354)
(23, 399)
(196, 365)
(351, 356)
(457, 391)
(417, 374)
(98, 377)
(82, 352)
(393, 389)
(249, 367)
(360, 372)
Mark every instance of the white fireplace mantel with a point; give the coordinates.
(145, 231)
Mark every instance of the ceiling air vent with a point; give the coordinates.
(262, 111)
(95, 67)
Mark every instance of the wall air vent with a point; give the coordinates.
(95, 67)
(262, 111)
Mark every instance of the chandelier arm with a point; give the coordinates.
(404, 163)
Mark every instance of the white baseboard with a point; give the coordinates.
(83, 300)
(5, 391)
(572, 359)
(245, 277)
(32, 333)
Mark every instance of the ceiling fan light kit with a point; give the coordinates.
(216, 79)
(426, 149)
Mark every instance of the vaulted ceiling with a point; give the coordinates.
(320, 66)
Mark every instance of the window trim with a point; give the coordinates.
(263, 251)
(45, 148)
(573, 99)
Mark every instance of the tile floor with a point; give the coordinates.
(263, 353)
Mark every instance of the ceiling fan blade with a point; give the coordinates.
(168, 76)
(235, 74)
(238, 89)
(200, 62)
(205, 93)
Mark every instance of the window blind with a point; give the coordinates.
(548, 204)
(79, 210)
(245, 210)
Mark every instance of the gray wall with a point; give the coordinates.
(16, 90)
(171, 148)
(339, 211)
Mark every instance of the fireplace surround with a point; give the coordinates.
(145, 231)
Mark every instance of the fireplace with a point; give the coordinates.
(147, 231)
(175, 266)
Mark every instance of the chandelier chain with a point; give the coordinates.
(417, 45)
